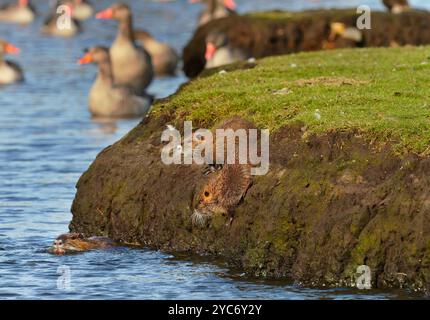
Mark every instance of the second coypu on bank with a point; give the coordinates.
(225, 188)
(76, 242)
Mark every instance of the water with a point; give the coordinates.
(47, 139)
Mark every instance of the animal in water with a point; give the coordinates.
(215, 9)
(132, 64)
(10, 72)
(226, 187)
(397, 6)
(82, 9)
(220, 52)
(76, 242)
(22, 12)
(164, 57)
(60, 21)
(107, 99)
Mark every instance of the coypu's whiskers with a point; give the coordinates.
(198, 218)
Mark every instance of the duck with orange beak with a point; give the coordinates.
(22, 12)
(58, 24)
(82, 9)
(10, 72)
(108, 99)
(131, 64)
(215, 9)
(219, 51)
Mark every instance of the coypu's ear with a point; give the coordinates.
(238, 180)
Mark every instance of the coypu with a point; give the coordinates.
(397, 6)
(76, 242)
(198, 140)
(222, 193)
(225, 189)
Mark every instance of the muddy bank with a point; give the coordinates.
(330, 203)
(275, 33)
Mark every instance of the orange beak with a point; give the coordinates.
(23, 3)
(11, 49)
(210, 51)
(86, 59)
(230, 4)
(105, 14)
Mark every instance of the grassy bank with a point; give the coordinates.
(382, 92)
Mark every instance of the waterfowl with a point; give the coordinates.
(219, 52)
(343, 36)
(108, 99)
(59, 24)
(164, 58)
(397, 6)
(82, 9)
(131, 64)
(9, 71)
(21, 12)
(215, 9)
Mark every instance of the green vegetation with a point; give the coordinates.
(382, 93)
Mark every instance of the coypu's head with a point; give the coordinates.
(222, 193)
(66, 243)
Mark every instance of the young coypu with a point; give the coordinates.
(222, 193)
(226, 188)
(76, 242)
(236, 124)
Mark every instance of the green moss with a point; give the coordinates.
(291, 15)
(370, 90)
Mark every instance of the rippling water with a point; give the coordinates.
(47, 139)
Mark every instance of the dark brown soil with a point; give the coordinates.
(306, 31)
(329, 204)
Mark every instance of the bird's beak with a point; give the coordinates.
(210, 51)
(230, 4)
(105, 14)
(87, 58)
(11, 49)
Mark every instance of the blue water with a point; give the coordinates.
(47, 139)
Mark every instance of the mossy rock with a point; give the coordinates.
(349, 175)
